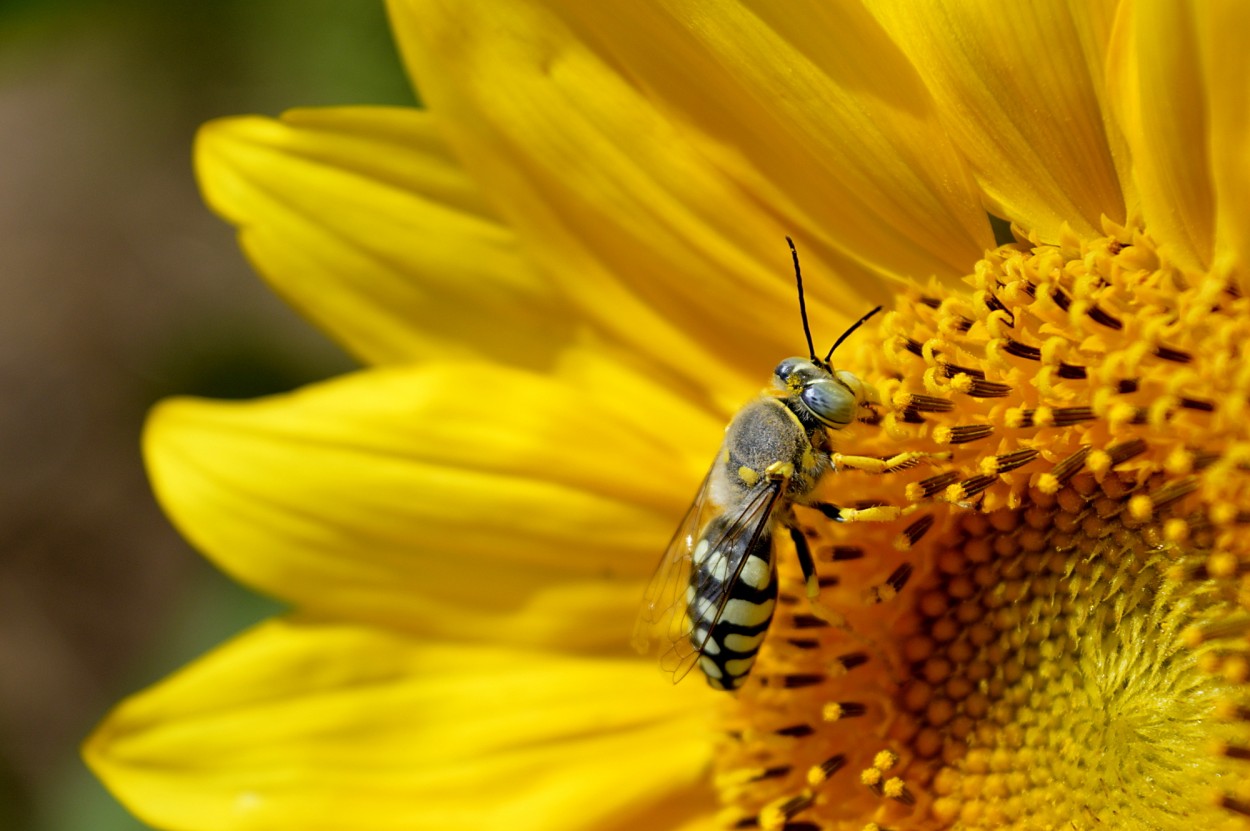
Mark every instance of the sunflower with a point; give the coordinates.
(562, 279)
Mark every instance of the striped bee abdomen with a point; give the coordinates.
(728, 637)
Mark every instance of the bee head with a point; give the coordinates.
(832, 397)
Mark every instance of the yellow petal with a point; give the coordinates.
(815, 110)
(1155, 77)
(299, 725)
(1020, 89)
(468, 499)
(1222, 34)
(364, 221)
(663, 228)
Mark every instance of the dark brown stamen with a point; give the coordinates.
(970, 487)
(1126, 450)
(915, 532)
(928, 404)
(954, 370)
(853, 659)
(927, 487)
(899, 577)
(1099, 315)
(1067, 468)
(1198, 404)
(775, 772)
(829, 767)
(1066, 416)
(962, 433)
(988, 389)
(1008, 461)
(1175, 355)
(1023, 350)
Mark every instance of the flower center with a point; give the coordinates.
(1053, 635)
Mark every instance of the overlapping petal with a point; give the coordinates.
(366, 223)
(1154, 74)
(1021, 91)
(810, 107)
(659, 227)
(318, 726)
(465, 500)
(1225, 67)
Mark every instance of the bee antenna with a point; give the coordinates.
(798, 278)
(847, 333)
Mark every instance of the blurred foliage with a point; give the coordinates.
(261, 55)
(185, 61)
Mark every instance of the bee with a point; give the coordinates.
(714, 589)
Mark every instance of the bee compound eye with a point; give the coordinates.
(786, 368)
(790, 373)
(830, 402)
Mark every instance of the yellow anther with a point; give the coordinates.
(1222, 564)
(961, 382)
(1179, 461)
(1121, 414)
(833, 711)
(774, 816)
(1160, 411)
(896, 788)
(1048, 483)
(1098, 461)
(871, 777)
(1222, 513)
(996, 355)
(1054, 350)
(931, 348)
(998, 323)
(1141, 507)
(1176, 530)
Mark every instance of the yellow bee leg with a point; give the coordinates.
(877, 513)
(874, 513)
(901, 461)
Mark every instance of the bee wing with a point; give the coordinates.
(665, 603)
(726, 555)
(666, 593)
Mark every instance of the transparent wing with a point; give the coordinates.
(727, 554)
(665, 597)
(664, 617)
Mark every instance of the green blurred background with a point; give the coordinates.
(119, 288)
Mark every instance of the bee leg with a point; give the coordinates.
(876, 513)
(900, 461)
(811, 581)
(877, 594)
(804, 552)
